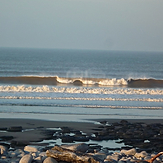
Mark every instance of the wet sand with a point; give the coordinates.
(35, 130)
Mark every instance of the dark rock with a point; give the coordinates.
(65, 130)
(3, 128)
(67, 139)
(15, 129)
(81, 138)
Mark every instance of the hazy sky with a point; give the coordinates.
(82, 24)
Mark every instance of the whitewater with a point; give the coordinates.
(81, 82)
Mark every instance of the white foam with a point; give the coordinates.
(82, 98)
(64, 80)
(109, 82)
(87, 81)
(84, 90)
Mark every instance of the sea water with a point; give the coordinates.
(76, 84)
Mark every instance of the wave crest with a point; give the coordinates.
(48, 80)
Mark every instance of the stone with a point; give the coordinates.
(17, 153)
(50, 160)
(3, 150)
(15, 129)
(38, 159)
(81, 147)
(42, 154)
(100, 156)
(129, 152)
(81, 138)
(26, 159)
(61, 154)
(67, 139)
(3, 157)
(141, 154)
(115, 157)
(65, 130)
(30, 149)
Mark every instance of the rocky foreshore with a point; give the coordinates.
(141, 141)
(75, 153)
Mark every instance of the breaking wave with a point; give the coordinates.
(79, 90)
(55, 80)
(80, 98)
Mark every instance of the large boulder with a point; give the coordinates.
(61, 154)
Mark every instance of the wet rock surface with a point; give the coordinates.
(142, 136)
(141, 142)
(148, 137)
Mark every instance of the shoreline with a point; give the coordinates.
(35, 129)
(33, 136)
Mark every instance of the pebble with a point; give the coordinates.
(26, 159)
(129, 152)
(32, 154)
(50, 160)
(30, 149)
(114, 157)
(3, 149)
(142, 154)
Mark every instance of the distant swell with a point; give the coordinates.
(33, 80)
(146, 83)
(39, 80)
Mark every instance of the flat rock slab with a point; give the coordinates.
(61, 154)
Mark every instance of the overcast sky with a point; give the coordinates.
(135, 25)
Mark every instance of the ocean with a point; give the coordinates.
(73, 85)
